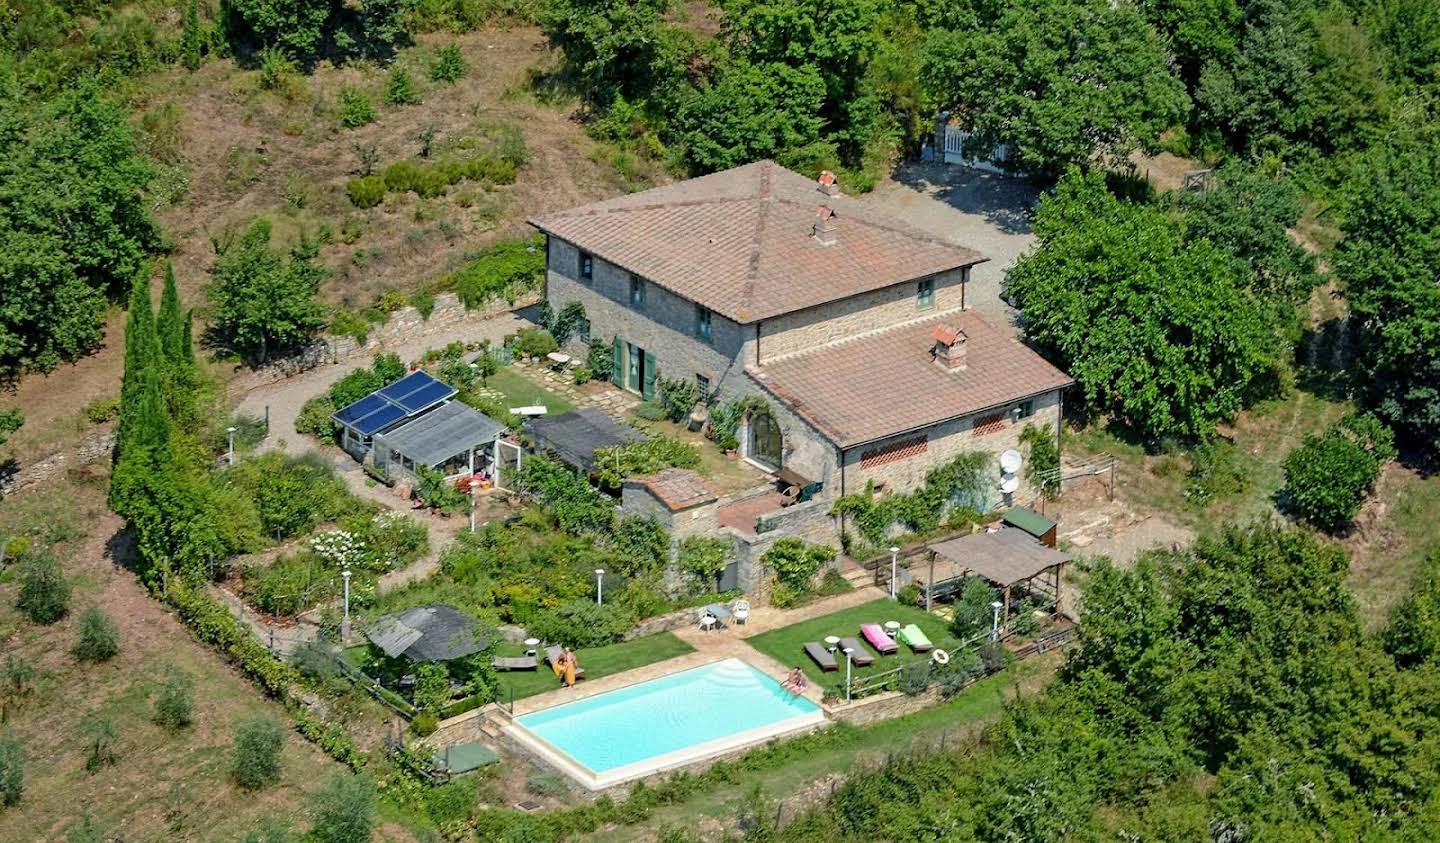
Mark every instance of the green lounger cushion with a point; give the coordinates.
(915, 638)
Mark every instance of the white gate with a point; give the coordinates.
(508, 458)
(955, 138)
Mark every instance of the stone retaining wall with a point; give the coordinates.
(883, 706)
(93, 448)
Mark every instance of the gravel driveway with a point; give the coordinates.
(983, 211)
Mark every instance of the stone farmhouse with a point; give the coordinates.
(853, 326)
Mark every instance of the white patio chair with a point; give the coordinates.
(741, 610)
(707, 621)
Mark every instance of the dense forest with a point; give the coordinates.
(1226, 692)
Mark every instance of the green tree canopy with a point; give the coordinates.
(1059, 81)
(1389, 262)
(755, 111)
(1155, 330)
(620, 48)
(262, 301)
(74, 230)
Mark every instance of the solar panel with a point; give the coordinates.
(407, 385)
(358, 410)
(373, 423)
(425, 396)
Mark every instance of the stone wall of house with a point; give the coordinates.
(635, 499)
(810, 521)
(945, 441)
(665, 326)
(807, 329)
(803, 449)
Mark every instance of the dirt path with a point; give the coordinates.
(285, 398)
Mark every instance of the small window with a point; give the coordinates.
(702, 323)
(637, 291)
(704, 384)
(1025, 410)
(925, 298)
(587, 266)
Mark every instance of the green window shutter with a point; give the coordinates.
(648, 387)
(617, 370)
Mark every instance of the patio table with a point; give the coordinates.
(833, 642)
(892, 628)
(721, 613)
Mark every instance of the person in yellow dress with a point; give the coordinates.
(570, 666)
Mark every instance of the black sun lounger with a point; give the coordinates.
(822, 656)
(861, 657)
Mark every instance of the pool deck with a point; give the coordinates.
(710, 647)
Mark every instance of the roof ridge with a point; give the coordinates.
(872, 333)
(864, 217)
(592, 211)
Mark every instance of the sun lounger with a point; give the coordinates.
(514, 663)
(553, 654)
(878, 639)
(822, 656)
(861, 656)
(913, 636)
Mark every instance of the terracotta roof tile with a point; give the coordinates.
(741, 243)
(880, 384)
(678, 488)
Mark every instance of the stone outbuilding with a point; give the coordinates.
(680, 499)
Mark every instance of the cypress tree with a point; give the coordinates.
(140, 342)
(170, 323)
(192, 40)
(187, 341)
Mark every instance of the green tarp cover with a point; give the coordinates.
(1029, 520)
(462, 758)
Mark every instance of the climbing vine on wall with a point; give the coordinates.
(964, 483)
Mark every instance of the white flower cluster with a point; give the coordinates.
(339, 547)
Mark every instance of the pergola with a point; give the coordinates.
(1007, 557)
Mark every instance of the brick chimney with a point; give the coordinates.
(828, 185)
(949, 348)
(824, 229)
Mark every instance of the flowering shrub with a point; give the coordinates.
(340, 548)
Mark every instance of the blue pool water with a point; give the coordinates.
(665, 715)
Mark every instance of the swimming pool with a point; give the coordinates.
(665, 722)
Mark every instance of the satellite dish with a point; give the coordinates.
(1009, 483)
(1010, 461)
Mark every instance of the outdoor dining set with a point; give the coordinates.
(719, 616)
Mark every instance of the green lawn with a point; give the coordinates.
(786, 643)
(519, 391)
(597, 661)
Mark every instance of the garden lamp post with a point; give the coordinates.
(599, 586)
(848, 652)
(345, 622)
(230, 454)
(474, 493)
(995, 621)
(894, 560)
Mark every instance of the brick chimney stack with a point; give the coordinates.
(824, 229)
(949, 348)
(828, 185)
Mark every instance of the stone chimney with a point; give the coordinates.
(949, 348)
(828, 185)
(824, 229)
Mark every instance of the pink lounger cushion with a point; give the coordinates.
(878, 639)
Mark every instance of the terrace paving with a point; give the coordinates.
(710, 647)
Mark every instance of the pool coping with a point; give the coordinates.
(695, 753)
